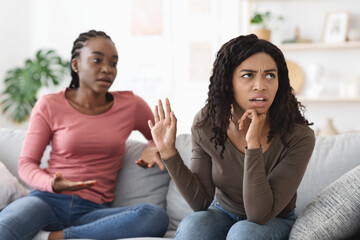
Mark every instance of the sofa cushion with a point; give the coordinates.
(332, 214)
(332, 157)
(139, 185)
(11, 141)
(176, 206)
(11, 188)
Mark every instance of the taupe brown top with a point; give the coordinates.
(255, 185)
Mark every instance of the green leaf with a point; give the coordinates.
(23, 83)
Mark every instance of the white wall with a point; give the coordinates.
(154, 67)
(158, 66)
(338, 65)
(15, 41)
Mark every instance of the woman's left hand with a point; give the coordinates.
(254, 132)
(149, 157)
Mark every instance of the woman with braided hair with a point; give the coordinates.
(87, 127)
(250, 147)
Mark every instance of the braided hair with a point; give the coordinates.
(78, 44)
(284, 112)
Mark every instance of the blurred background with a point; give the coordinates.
(167, 48)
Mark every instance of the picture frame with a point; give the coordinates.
(336, 27)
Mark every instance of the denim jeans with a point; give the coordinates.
(79, 218)
(216, 223)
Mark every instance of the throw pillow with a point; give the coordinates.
(334, 213)
(139, 185)
(10, 189)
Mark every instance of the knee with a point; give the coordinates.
(186, 224)
(155, 218)
(156, 213)
(244, 230)
(202, 225)
(192, 222)
(188, 228)
(19, 209)
(23, 211)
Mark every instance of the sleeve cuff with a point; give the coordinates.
(171, 160)
(254, 151)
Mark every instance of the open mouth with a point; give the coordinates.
(105, 80)
(258, 100)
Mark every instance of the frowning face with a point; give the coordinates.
(255, 83)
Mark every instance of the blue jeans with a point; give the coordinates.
(216, 223)
(79, 218)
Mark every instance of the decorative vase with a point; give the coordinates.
(328, 129)
(262, 33)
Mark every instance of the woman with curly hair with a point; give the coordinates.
(250, 147)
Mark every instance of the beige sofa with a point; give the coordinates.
(332, 157)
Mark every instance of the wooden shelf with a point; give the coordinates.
(319, 46)
(328, 99)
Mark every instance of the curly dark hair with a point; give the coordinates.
(283, 113)
(78, 44)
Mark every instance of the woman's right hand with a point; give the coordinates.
(60, 184)
(164, 130)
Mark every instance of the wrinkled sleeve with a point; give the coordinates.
(37, 138)
(266, 196)
(195, 184)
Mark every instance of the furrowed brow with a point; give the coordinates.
(271, 70)
(247, 70)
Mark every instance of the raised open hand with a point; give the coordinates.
(60, 184)
(164, 130)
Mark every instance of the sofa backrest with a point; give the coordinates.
(139, 185)
(11, 141)
(333, 156)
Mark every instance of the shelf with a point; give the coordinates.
(328, 99)
(319, 46)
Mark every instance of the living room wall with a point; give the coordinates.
(152, 64)
(15, 41)
(326, 69)
(173, 59)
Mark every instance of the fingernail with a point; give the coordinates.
(93, 183)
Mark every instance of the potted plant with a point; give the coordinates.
(23, 83)
(260, 22)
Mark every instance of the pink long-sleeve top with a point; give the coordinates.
(84, 147)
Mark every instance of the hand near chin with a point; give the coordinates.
(60, 184)
(256, 123)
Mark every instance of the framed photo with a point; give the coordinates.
(336, 26)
